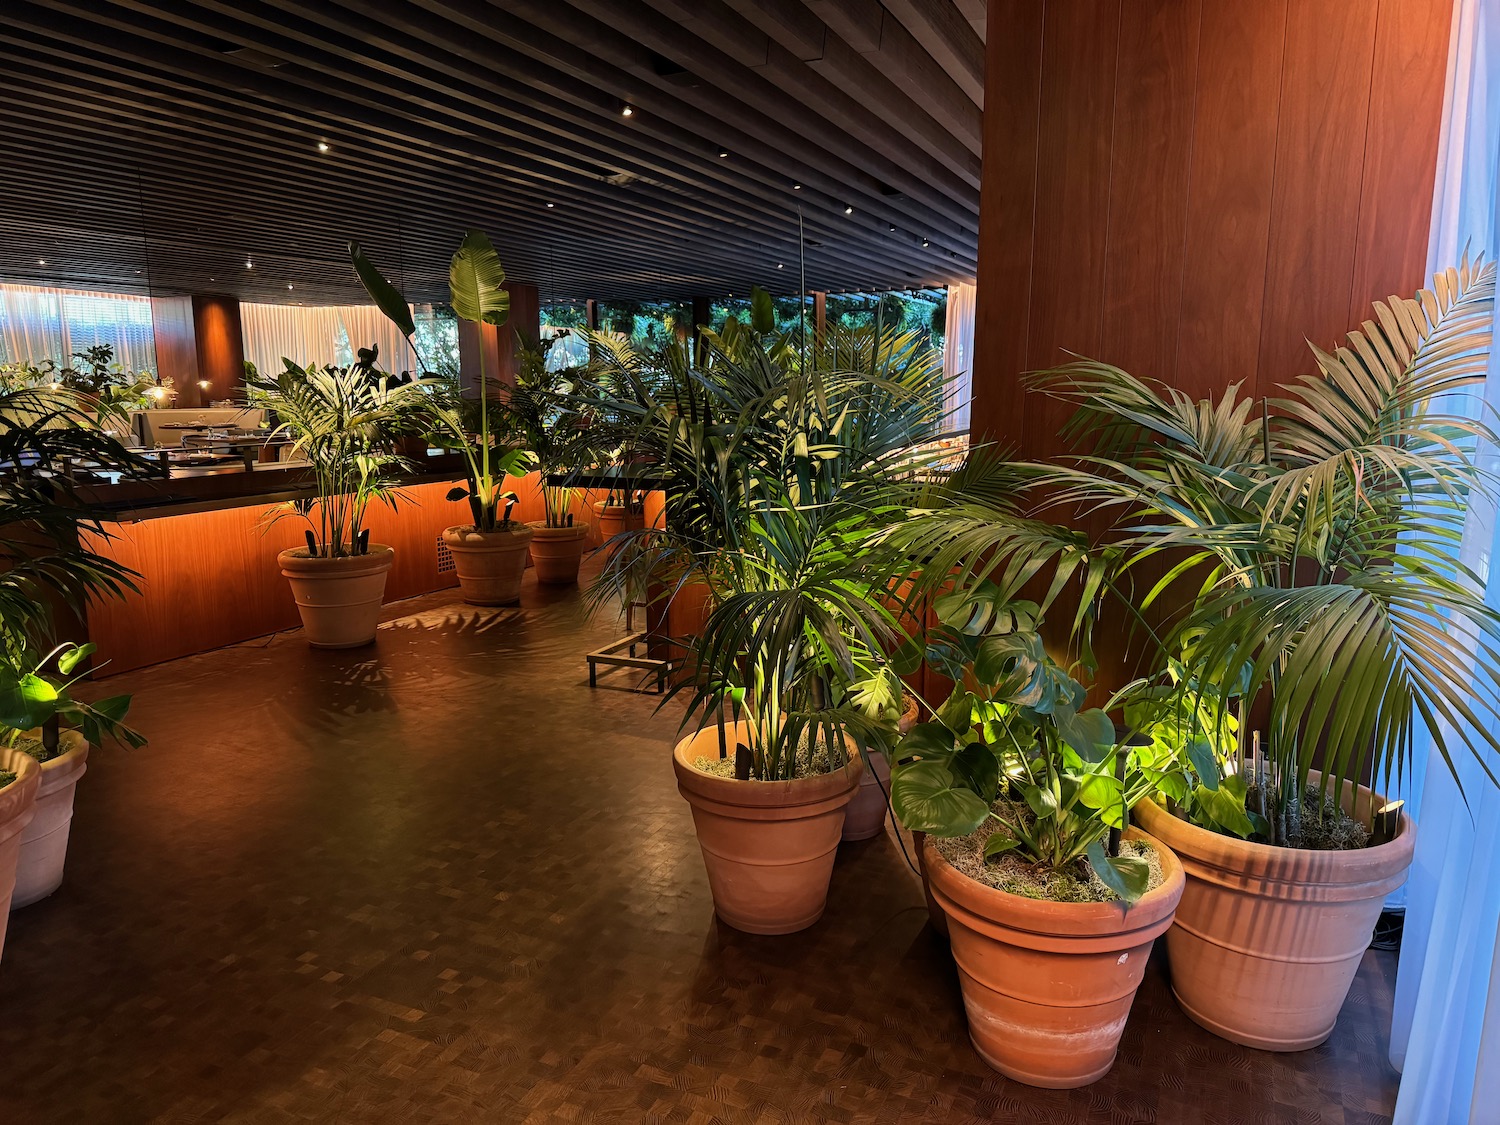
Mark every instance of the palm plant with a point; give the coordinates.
(1311, 545)
(340, 421)
(777, 472)
(562, 441)
(476, 291)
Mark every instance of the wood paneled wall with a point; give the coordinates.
(220, 347)
(1189, 189)
(176, 348)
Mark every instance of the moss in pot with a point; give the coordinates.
(1023, 794)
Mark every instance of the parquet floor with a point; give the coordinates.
(442, 881)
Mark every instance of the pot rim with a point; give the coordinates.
(378, 557)
(1064, 919)
(17, 798)
(462, 532)
(1279, 864)
(577, 531)
(809, 789)
(77, 751)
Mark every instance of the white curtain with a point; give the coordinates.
(39, 323)
(1445, 1036)
(319, 334)
(958, 355)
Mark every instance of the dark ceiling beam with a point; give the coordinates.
(920, 35)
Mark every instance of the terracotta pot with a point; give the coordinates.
(615, 518)
(865, 818)
(1268, 939)
(17, 806)
(556, 551)
(1048, 986)
(339, 599)
(768, 845)
(935, 913)
(44, 843)
(489, 563)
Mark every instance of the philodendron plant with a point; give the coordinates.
(1013, 747)
(34, 698)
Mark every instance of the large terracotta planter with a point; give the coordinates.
(556, 551)
(489, 564)
(339, 599)
(768, 845)
(1048, 986)
(865, 818)
(44, 843)
(1267, 939)
(17, 806)
(615, 518)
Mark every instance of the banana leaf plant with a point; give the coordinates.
(476, 291)
(1309, 549)
(1014, 747)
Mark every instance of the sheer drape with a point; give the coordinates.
(319, 334)
(1446, 1033)
(39, 323)
(958, 354)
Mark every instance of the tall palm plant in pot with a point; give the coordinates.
(340, 420)
(1313, 591)
(777, 474)
(489, 553)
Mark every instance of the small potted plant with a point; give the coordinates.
(489, 554)
(34, 705)
(1024, 796)
(340, 420)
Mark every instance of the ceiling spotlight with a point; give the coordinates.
(627, 110)
(723, 152)
(780, 265)
(848, 208)
(551, 205)
(249, 265)
(893, 228)
(288, 284)
(41, 261)
(796, 187)
(925, 244)
(322, 146)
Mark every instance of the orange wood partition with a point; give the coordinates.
(210, 578)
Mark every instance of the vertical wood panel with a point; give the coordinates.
(220, 345)
(1320, 146)
(1007, 215)
(1079, 50)
(1229, 194)
(524, 321)
(1153, 132)
(176, 347)
(1400, 167)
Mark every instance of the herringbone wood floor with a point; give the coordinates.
(442, 881)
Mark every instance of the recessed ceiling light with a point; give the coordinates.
(551, 205)
(41, 261)
(723, 152)
(893, 228)
(288, 284)
(848, 208)
(627, 110)
(796, 187)
(925, 243)
(322, 146)
(780, 265)
(249, 265)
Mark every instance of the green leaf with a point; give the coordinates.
(999, 844)
(957, 711)
(1205, 765)
(1223, 808)
(458, 493)
(1101, 792)
(1007, 663)
(907, 659)
(1129, 876)
(475, 281)
(1088, 732)
(976, 767)
(925, 797)
(1042, 801)
(385, 295)
(762, 311)
(927, 740)
(26, 702)
(71, 658)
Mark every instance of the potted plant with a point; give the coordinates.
(489, 554)
(340, 420)
(34, 705)
(563, 445)
(1313, 590)
(777, 473)
(1022, 794)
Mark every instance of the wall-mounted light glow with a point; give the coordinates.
(204, 385)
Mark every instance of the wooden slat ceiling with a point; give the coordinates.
(162, 144)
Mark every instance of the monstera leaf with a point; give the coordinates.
(928, 798)
(476, 281)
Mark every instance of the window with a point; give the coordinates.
(38, 324)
